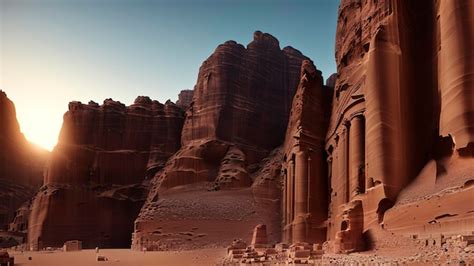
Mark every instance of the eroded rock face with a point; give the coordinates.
(21, 164)
(185, 98)
(402, 98)
(304, 164)
(240, 89)
(93, 184)
(238, 115)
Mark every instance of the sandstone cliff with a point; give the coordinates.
(305, 194)
(239, 114)
(185, 98)
(21, 164)
(399, 131)
(93, 183)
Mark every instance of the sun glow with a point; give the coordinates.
(39, 129)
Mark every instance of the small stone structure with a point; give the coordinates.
(72, 245)
(259, 238)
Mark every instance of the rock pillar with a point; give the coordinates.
(383, 106)
(456, 70)
(291, 201)
(356, 156)
(301, 196)
(343, 177)
(284, 210)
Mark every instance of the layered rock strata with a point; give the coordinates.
(93, 187)
(238, 115)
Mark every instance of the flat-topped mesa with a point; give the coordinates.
(239, 113)
(114, 126)
(21, 165)
(96, 171)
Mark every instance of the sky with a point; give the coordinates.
(56, 51)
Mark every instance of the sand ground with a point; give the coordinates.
(118, 257)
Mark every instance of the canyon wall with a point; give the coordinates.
(93, 186)
(239, 114)
(400, 130)
(21, 164)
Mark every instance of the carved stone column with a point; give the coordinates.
(343, 177)
(356, 156)
(301, 183)
(291, 201)
(301, 196)
(284, 209)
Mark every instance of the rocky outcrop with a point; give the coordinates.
(239, 87)
(185, 98)
(304, 165)
(21, 164)
(230, 127)
(93, 183)
(401, 99)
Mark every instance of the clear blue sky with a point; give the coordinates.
(55, 51)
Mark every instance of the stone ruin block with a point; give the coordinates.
(281, 247)
(259, 237)
(72, 245)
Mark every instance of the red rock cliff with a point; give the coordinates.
(185, 98)
(400, 127)
(239, 114)
(21, 164)
(93, 184)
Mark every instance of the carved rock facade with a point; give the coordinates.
(400, 141)
(304, 168)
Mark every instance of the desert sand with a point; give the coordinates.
(118, 257)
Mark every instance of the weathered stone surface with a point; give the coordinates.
(230, 127)
(402, 98)
(240, 89)
(259, 237)
(185, 98)
(93, 184)
(304, 165)
(21, 164)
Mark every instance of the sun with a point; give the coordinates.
(39, 127)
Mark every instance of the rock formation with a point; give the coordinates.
(382, 155)
(259, 237)
(93, 187)
(21, 164)
(185, 98)
(231, 125)
(399, 142)
(304, 166)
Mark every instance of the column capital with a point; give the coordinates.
(346, 122)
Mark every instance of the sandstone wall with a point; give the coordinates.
(21, 164)
(238, 115)
(185, 98)
(401, 69)
(93, 187)
(305, 172)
